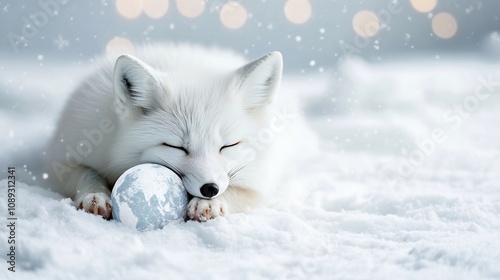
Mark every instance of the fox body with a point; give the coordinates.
(194, 110)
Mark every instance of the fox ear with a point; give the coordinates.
(259, 79)
(135, 84)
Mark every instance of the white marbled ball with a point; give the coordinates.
(148, 196)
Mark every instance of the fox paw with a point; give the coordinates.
(202, 210)
(95, 203)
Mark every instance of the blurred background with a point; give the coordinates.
(313, 35)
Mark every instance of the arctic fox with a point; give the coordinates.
(193, 110)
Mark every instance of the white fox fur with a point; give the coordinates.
(205, 114)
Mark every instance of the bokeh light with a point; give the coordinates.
(119, 45)
(129, 8)
(155, 8)
(366, 23)
(233, 15)
(424, 6)
(444, 25)
(190, 8)
(298, 11)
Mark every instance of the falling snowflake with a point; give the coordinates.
(216, 6)
(61, 43)
(495, 37)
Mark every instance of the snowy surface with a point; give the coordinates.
(355, 214)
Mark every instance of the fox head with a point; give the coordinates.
(197, 124)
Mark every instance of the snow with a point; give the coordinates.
(352, 215)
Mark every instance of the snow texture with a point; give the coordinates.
(406, 186)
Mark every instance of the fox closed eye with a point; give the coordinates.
(229, 146)
(176, 147)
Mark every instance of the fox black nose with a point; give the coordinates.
(209, 190)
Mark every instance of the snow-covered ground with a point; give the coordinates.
(406, 185)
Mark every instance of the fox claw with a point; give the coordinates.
(96, 203)
(202, 210)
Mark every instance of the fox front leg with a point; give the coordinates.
(89, 191)
(233, 200)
